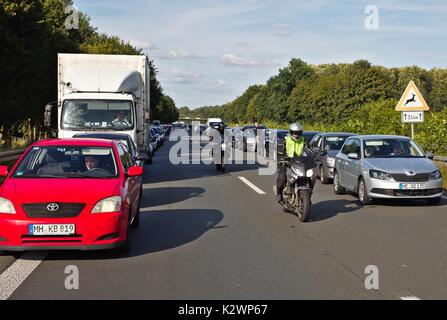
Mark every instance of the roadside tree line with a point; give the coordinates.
(357, 97)
(32, 33)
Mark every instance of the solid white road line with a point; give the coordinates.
(251, 185)
(410, 298)
(14, 276)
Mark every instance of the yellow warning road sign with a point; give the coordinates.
(412, 100)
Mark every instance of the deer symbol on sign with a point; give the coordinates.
(411, 100)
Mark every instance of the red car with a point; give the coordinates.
(73, 194)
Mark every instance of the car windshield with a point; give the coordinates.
(335, 142)
(67, 162)
(97, 114)
(392, 148)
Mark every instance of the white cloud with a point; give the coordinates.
(140, 44)
(218, 83)
(246, 61)
(181, 75)
(181, 54)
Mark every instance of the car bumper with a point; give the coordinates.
(97, 232)
(391, 190)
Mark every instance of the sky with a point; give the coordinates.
(209, 52)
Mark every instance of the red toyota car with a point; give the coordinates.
(72, 194)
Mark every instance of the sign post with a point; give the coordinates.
(412, 105)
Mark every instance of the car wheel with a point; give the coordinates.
(434, 201)
(338, 189)
(136, 220)
(363, 194)
(323, 178)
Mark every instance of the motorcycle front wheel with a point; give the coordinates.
(303, 206)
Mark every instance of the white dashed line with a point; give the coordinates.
(14, 276)
(251, 185)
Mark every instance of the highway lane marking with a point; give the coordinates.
(251, 185)
(412, 298)
(18, 272)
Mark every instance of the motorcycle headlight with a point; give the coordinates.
(108, 205)
(380, 175)
(435, 175)
(310, 173)
(6, 206)
(299, 172)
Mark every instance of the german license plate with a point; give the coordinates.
(51, 229)
(412, 186)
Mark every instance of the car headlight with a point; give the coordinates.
(6, 206)
(108, 205)
(380, 175)
(435, 175)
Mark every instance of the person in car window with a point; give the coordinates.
(91, 163)
(120, 119)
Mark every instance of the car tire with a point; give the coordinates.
(338, 189)
(363, 194)
(434, 201)
(323, 178)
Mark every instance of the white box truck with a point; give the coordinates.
(103, 93)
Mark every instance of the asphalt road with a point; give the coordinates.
(207, 235)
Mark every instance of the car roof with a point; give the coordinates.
(382, 137)
(109, 136)
(328, 134)
(82, 142)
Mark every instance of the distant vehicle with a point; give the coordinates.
(103, 93)
(212, 122)
(249, 138)
(386, 167)
(309, 135)
(154, 133)
(138, 158)
(72, 194)
(279, 145)
(153, 139)
(332, 144)
(156, 123)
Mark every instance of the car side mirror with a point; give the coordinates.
(4, 171)
(135, 171)
(430, 155)
(354, 156)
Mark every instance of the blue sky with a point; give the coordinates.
(209, 52)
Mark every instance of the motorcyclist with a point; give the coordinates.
(293, 146)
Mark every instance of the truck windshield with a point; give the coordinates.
(84, 115)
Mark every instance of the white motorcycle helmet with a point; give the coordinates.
(296, 131)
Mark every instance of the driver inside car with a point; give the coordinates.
(91, 163)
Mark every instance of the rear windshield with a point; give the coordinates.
(68, 162)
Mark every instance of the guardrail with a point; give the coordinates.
(11, 155)
(441, 159)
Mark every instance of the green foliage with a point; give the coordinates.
(32, 33)
(357, 97)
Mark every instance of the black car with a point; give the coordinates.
(138, 158)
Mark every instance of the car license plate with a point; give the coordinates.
(51, 229)
(412, 186)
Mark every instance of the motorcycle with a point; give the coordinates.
(221, 166)
(300, 182)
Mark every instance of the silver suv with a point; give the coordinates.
(386, 167)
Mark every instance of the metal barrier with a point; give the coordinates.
(441, 159)
(11, 155)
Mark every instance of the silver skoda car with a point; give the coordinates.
(386, 167)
